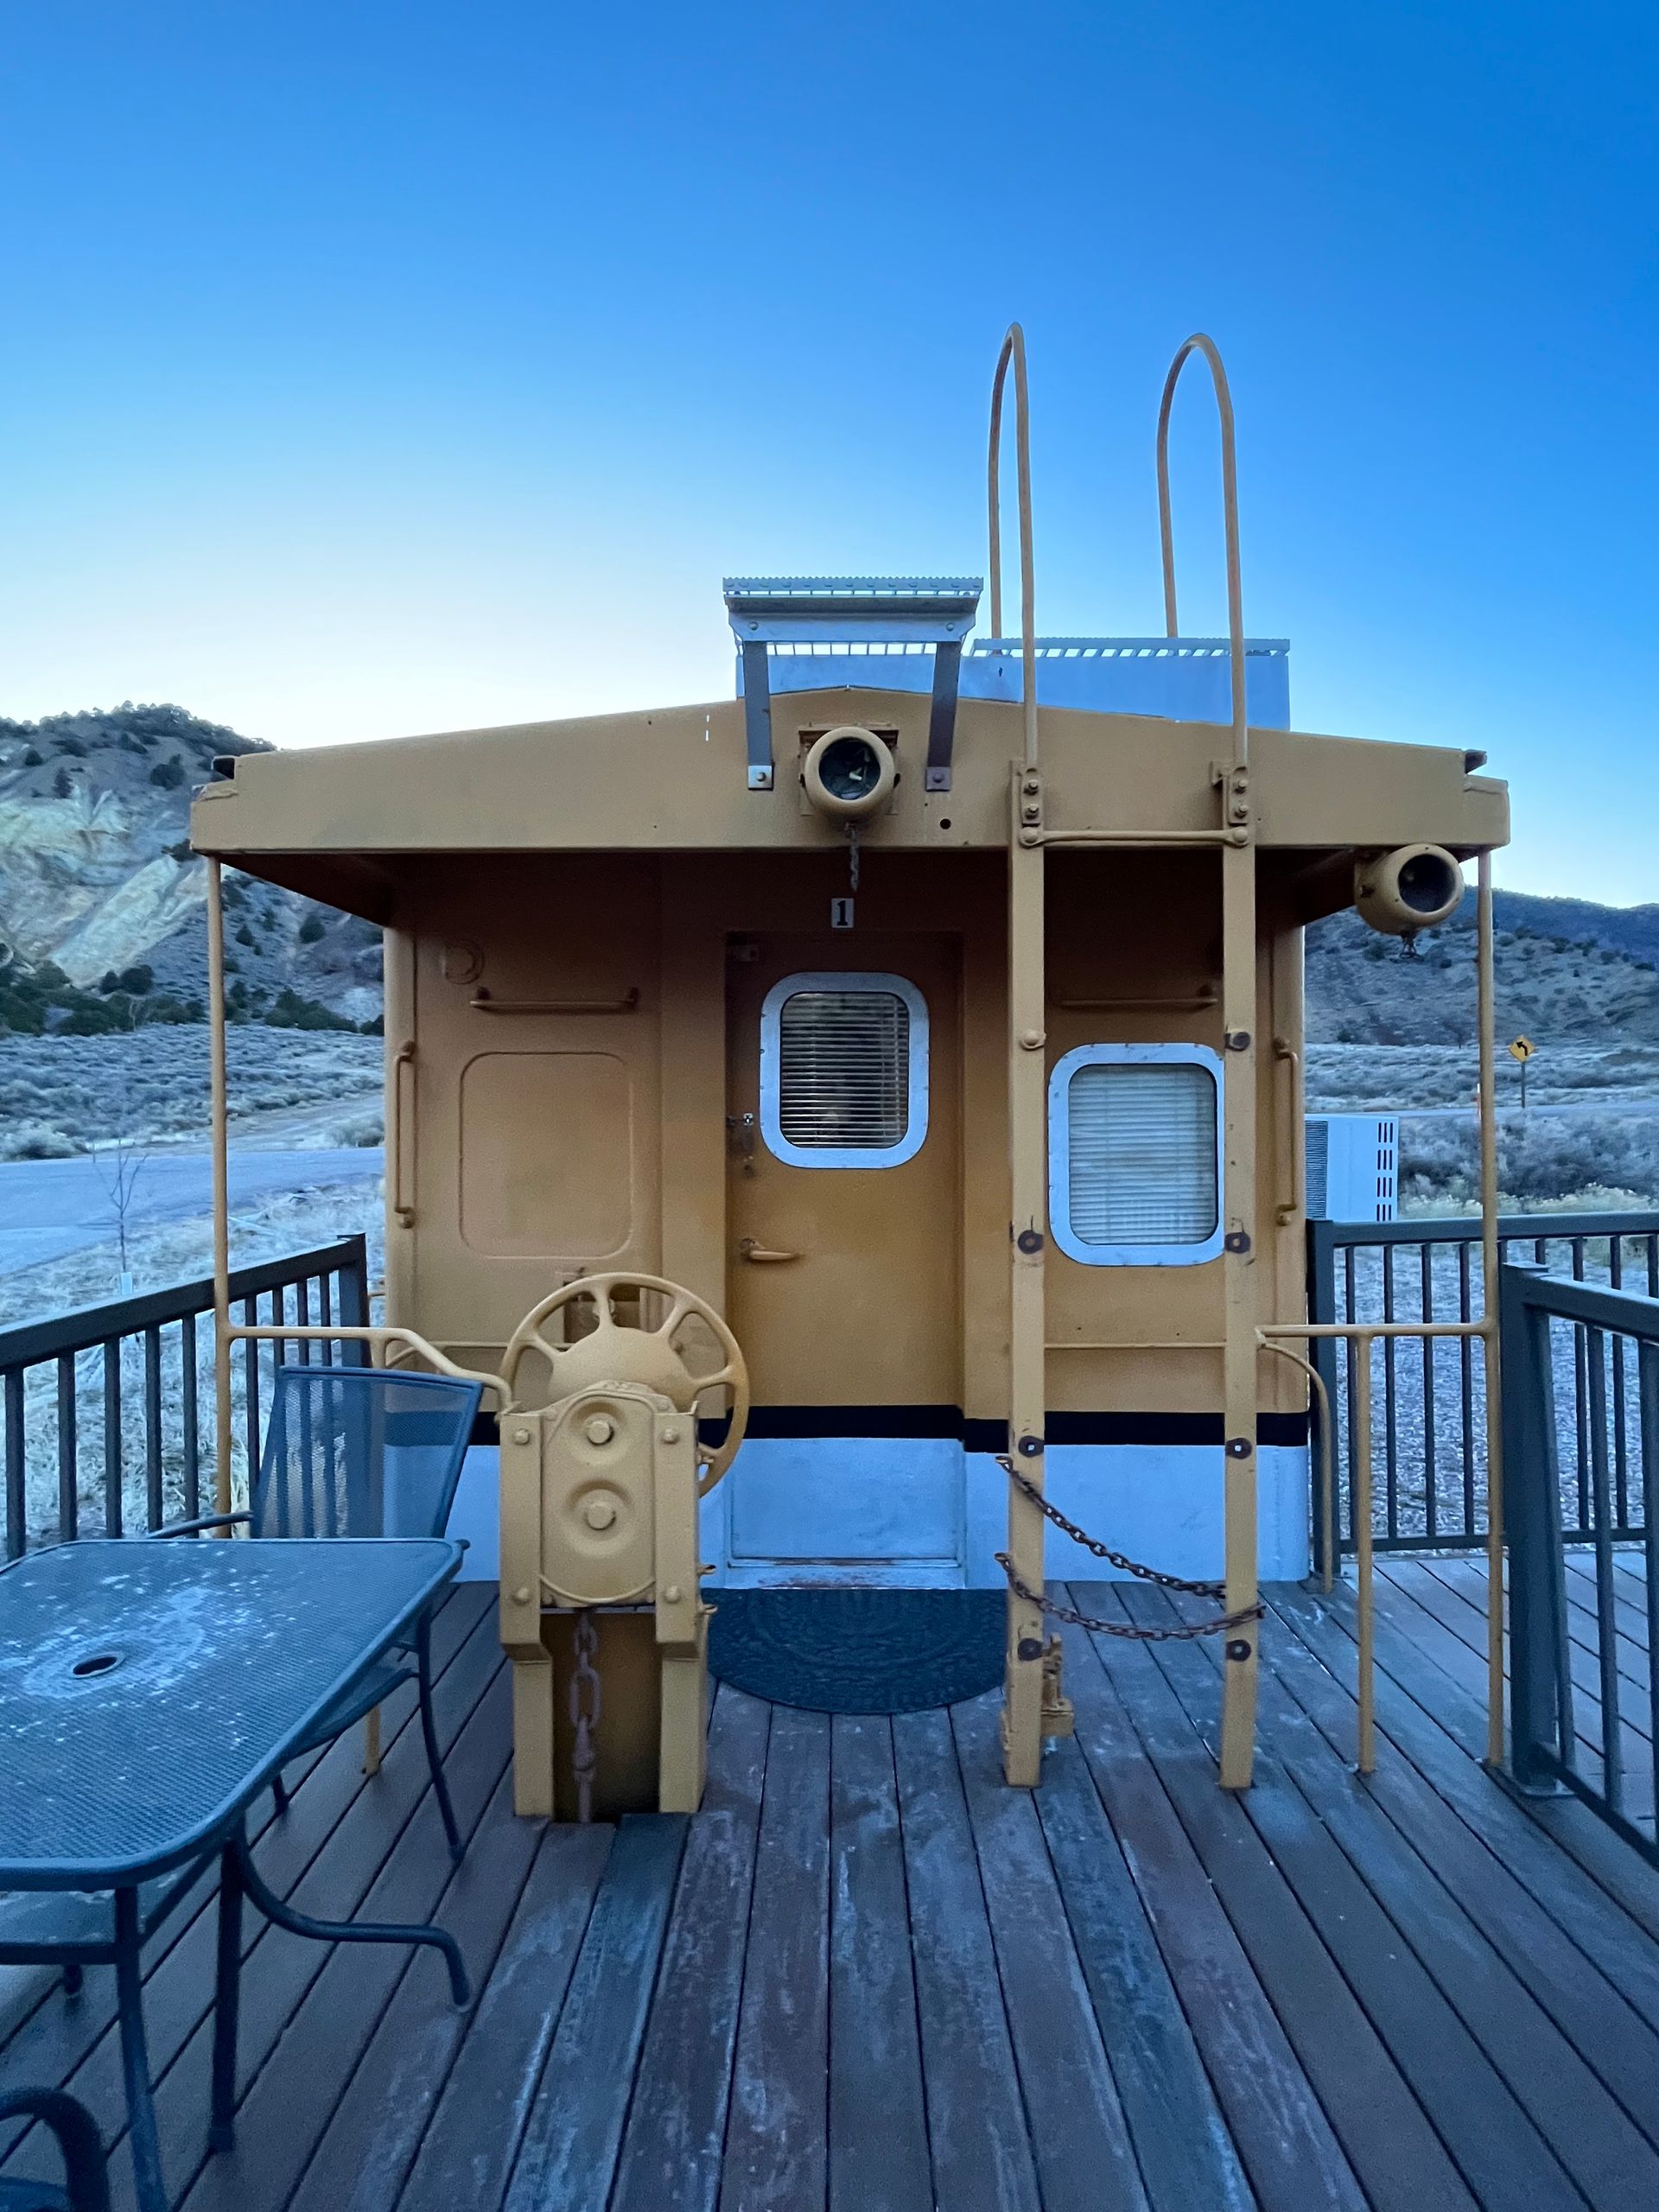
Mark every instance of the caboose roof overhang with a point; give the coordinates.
(347, 823)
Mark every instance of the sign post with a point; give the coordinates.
(1522, 1049)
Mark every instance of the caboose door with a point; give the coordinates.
(843, 1229)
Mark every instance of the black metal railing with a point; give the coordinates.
(107, 1411)
(1429, 1407)
(1584, 1621)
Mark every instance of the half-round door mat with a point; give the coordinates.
(859, 1650)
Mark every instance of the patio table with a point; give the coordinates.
(147, 1693)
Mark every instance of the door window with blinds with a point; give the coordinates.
(843, 1069)
(1134, 1172)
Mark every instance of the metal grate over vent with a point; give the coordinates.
(1143, 1155)
(843, 1069)
(1318, 1169)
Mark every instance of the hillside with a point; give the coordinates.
(102, 908)
(102, 903)
(1566, 971)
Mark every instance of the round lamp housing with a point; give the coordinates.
(848, 774)
(1409, 889)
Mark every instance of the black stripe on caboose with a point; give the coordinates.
(901, 1424)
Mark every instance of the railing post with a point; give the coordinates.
(354, 1301)
(1326, 1354)
(16, 1463)
(1533, 1526)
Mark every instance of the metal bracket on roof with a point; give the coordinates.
(803, 612)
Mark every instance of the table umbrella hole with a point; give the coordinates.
(99, 1662)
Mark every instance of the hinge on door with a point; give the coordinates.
(740, 1129)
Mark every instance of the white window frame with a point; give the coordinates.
(772, 1011)
(1059, 1156)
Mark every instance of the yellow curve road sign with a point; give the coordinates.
(1522, 1049)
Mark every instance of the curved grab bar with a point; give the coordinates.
(1013, 349)
(1286, 1054)
(1200, 344)
(378, 1339)
(403, 1211)
(481, 1002)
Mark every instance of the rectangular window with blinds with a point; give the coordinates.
(843, 1070)
(1134, 1154)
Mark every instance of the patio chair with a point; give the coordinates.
(363, 1452)
(86, 2183)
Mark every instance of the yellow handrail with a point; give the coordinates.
(1327, 1473)
(1200, 344)
(1013, 349)
(376, 1339)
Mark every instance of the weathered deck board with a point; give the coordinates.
(878, 2122)
(1079, 2136)
(1567, 2109)
(569, 2151)
(676, 2133)
(468, 2150)
(777, 2125)
(869, 1976)
(1310, 2093)
(1154, 2057)
(1488, 1878)
(368, 2144)
(979, 2134)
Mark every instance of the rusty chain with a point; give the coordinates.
(1133, 1631)
(1176, 1633)
(586, 1697)
(1104, 1551)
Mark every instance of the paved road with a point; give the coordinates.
(51, 1207)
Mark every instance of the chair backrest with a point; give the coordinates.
(362, 1451)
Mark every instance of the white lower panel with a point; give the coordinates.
(475, 1517)
(842, 1500)
(1159, 1503)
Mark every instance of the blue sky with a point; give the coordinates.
(371, 367)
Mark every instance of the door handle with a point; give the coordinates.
(762, 1254)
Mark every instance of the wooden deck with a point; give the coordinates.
(869, 1978)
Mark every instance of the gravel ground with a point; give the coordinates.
(1428, 1447)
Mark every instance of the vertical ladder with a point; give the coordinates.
(1024, 1716)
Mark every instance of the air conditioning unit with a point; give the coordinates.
(1353, 1166)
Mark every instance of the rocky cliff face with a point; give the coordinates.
(97, 881)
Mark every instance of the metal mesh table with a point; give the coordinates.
(148, 1691)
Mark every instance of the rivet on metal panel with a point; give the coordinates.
(1031, 1040)
(1028, 1648)
(1030, 1447)
(521, 1436)
(1030, 1240)
(1237, 1240)
(1238, 1649)
(1239, 1447)
(1238, 1041)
